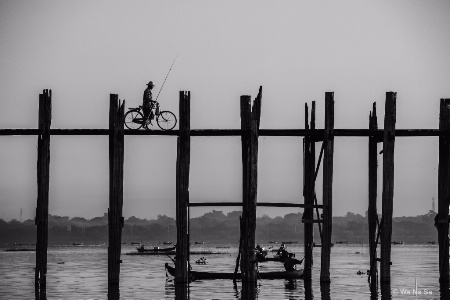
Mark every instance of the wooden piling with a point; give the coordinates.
(327, 186)
(442, 219)
(250, 120)
(388, 186)
(115, 218)
(308, 192)
(372, 207)
(182, 190)
(245, 140)
(43, 176)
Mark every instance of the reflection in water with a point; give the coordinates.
(386, 290)
(444, 289)
(249, 290)
(169, 288)
(325, 291)
(308, 289)
(113, 292)
(290, 284)
(373, 287)
(181, 291)
(237, 294)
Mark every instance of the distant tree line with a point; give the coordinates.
(213, 226)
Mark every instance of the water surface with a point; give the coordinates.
(81, 273)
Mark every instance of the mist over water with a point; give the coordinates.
(80, 272)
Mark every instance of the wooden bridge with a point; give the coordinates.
(314, 213)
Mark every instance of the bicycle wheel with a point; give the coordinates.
(166, 120)
(134, 119)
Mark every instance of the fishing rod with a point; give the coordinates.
(166, 77)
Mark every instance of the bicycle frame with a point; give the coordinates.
(153, 108)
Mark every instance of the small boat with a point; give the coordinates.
(432, 243)
(77, 244)
(167, 243)
(275, 258)
(155, 249)
(201, 261)
(342, 242)
(199, 243)
(281, 257)
(290, 242)
(273, 242)
(397, 243)
(135, 243)
(19, 249)
(195, 275)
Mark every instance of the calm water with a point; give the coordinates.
(84, 274)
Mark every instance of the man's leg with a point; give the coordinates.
(146, 111)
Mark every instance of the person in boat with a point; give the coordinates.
(282, 252)
(147, 101)
(260, 253)
(289, 264)
(141, 248)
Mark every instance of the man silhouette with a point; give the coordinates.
(147, 102)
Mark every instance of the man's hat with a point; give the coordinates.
(150, 83)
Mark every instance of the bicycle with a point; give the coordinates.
(134, 118)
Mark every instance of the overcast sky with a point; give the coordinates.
(296, 50)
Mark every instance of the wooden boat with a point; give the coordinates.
(173, 252)
(155, 249)
(152, 253)
(19, 249)
(195, 275)
(277, 257)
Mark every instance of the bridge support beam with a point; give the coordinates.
(182, 193)
(372, 207)
(115, 218)
(388, 186)
(309, 162)
(442, 219)
(43, 178)
(328, 141)
(250, 119)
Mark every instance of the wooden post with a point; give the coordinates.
(250, 119)
(43, 175)
(308, 191)
(388, 186)
(115, 219)
(182, 190)
(245, 129)
(372, 209)
(443, 192)
(327, 187)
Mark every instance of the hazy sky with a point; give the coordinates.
(297, 50)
